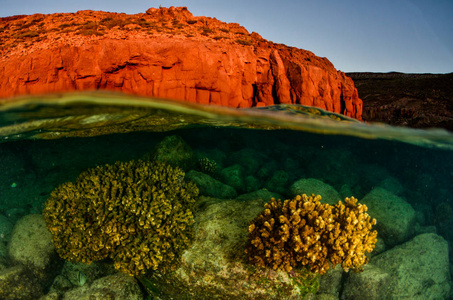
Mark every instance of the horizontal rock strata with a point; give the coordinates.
(165, 53)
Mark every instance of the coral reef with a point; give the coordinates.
(137, 213)
(304, 232)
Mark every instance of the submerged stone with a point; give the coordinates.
(118, 286)
(19, 283)
(31, 245)
(311, 186)
(215, 265)
(396, 217)
(418, 269)
(211, 187)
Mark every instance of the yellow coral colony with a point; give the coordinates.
(137, 213)
(304, 232)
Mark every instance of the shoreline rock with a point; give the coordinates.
(166, 53)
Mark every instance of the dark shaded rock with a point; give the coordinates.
(118, 286)
(414, 100)
(209, 186)
(19, 283)
(174, 151)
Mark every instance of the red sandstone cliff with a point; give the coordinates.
(168, 53)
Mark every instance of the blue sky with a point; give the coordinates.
(412, 36)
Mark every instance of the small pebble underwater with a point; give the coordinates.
(178, 206)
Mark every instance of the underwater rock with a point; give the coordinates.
(31, 245)
(370, 284)
(330, 283)
(396, 217)
(346, 191)
(333, 165)
(214, 154)
(80, 274)
(209, 186)
(51, 296)
(259, 194)
(74, 275)
(248, 158)
(251, 183)
(173, 150)
(379, 247)
(233, 176)
(214, 266)
(3, 253)
(118, 286)
(310, 186)
(15, 213)
(19, 283)
(277, 183)
(59, 286)
(321, 296)
(266, 171)
(392, 185)
(370, 176)
(5, 229)
(417, 269)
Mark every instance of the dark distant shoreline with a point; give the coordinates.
(406, 99)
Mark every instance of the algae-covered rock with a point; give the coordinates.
(311, 186)
(396, 217)
(248, 158)
(251, 183)
(392, 185)
(19, 283)
(215, 266)
(5, 228)
(233, 176)
(80, 274)
(15, 213)
(259, 194)
(277, 183)
(211, 187)
(330, 283)
(417, 269)
(118, 286)
(51, 296)
(3, 253)
(173, 150)
(370, 284)
(31, 245)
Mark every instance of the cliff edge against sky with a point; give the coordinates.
(167, 53)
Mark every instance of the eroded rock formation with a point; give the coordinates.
(166, 53)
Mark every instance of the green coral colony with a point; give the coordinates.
(138, 213)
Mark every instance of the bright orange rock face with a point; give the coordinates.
(165, 53)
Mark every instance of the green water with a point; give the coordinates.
(47, 141)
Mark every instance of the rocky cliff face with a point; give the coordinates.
(166, 53)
